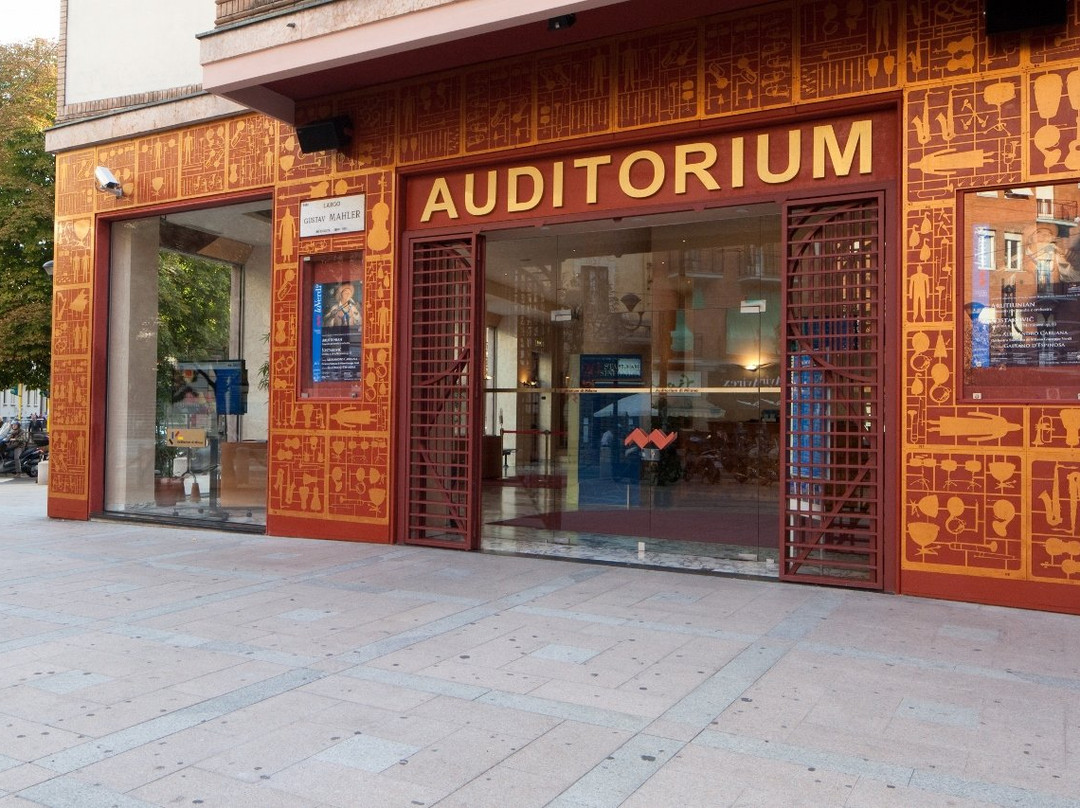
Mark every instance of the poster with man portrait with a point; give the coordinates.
(337, 324)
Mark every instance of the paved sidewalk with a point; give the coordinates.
(168, 667)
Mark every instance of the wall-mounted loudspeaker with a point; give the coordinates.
(331, 133)
(1010, 16)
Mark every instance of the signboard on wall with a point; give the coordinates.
(714, 169)
(325, 217)
(611, 370)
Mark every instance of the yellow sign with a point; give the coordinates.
(186, 437)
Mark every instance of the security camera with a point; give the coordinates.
(108, 182)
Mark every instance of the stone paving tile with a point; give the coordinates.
(255, 758)
(347, 787)
(567, 752)
(499, 786)
(134, 768)
(193, 786)
(23, 776)
(17, 802)
(458, 758)
(22, 740)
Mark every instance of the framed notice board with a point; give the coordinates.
(333, 326)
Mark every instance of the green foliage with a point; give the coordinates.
(193, 308)
(193, 326)
(27, 180)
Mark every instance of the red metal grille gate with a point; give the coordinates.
(439, 498)
(833, 397)
(833, 510)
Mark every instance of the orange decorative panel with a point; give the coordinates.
(251, 149)
(203, 160)
(946, 41)
(749, 60)
(329, 459)
(964, 510)
(1054, 146)
(1055, 514)
(374, 130)
(930, 279)
(963, 136)
(847, 48)
(157, 168)
(657, 79)
(73, 276)
(573, 92)
(430, 125)
(499, 107)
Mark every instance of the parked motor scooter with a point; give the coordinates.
(28, 461)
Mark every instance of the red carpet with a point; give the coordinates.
(719, 526)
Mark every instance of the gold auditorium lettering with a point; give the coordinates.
(765, 173)
(659, 173)
(439, 200)
(514, 203)
(683, 168)
(470, 194)
(700, 169)
(860, 139)
(591, 166)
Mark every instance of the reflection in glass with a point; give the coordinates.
(632, 399)
(189, 319)
(1022, 292)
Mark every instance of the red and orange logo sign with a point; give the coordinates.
(656, 438)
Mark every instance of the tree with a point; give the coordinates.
(193, 326)
(27, 182)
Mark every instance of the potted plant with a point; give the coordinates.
(168, 488)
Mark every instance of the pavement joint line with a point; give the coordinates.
(943, 666)
(418, 682)
(442, 625)
(44, 616)
(647, 625)
(31, 640)
(242, 650)
(706, 702)
(888, 773)
(803, 620)
(116, 743)
(614, 780)
(597, 716)
(68, 792)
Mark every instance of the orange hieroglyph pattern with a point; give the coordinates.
(986, 491)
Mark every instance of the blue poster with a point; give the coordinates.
(337, 331)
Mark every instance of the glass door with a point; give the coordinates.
(632, 389)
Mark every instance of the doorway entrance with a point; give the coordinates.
(631, 389)
(702, 390)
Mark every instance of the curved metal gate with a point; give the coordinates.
(833, 393)
(439, 495)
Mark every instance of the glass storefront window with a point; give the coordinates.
(632, 385)
(1022, 293)
(189, 328)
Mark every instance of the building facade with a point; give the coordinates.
(793, 285)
